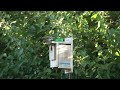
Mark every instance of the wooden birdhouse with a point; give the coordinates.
(61, 54)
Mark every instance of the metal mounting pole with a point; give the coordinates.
(69, 75)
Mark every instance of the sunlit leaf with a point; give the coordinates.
(21, 51)
(94, 16)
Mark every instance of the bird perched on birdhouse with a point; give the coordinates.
(48, 39)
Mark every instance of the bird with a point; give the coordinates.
(48, 39)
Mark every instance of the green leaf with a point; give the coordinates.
(94, 16)
(48, 70)
(20, 51)
(116, 53)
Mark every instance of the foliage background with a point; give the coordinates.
(24, 55)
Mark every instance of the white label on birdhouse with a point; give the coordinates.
(68, 40)
(64, 56)
(53, 63)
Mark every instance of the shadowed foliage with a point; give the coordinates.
(24, 55)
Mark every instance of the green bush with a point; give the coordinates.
(24, 55)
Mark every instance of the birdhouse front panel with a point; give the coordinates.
(64, 56)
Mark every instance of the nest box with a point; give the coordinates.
(61, 54)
